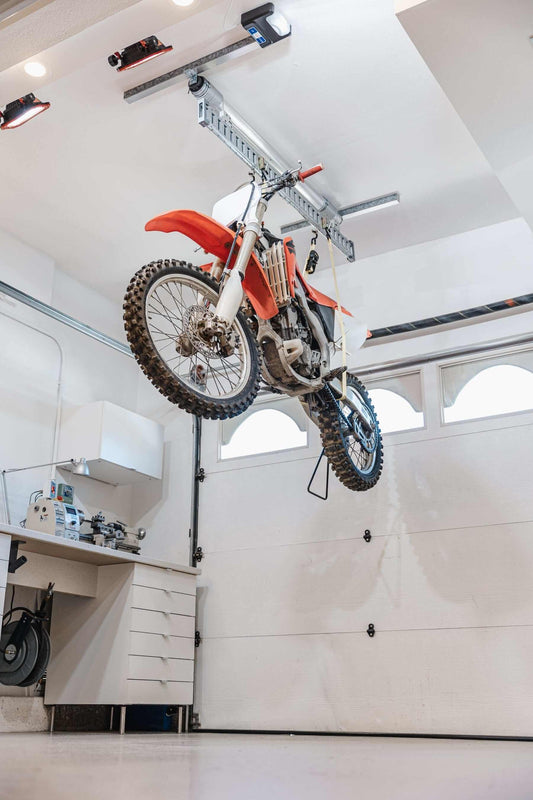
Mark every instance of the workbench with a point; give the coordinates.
(122, 627)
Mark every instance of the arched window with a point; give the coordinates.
(394, 412)
(501, 389)
(264, 431)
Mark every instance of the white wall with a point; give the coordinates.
(438, 277)
(163, 507)
(29, 366)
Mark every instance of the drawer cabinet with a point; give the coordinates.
(5, 543)
(143, 621)
(156, 644)
(131, 644)
(159, 668)
(166, 579)
(156, 693)
(163, 600)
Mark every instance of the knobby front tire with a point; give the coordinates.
(161, 300)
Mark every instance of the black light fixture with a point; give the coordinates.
(22, 110)
(266, 24)
(138, 53)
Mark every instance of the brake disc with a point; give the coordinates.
(43, 658)
(16, 665)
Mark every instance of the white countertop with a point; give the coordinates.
(45, 544)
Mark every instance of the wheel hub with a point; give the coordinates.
(204, 336)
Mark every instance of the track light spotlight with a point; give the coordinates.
(20, 111)
(266, 24)
(138, 53)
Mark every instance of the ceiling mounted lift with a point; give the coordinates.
(215, 115)
(265, 26)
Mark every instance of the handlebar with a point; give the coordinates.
(302, 176)
(288, 178)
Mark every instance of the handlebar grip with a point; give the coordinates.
(302, 176)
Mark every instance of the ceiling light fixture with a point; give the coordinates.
(138, 53)
(22, 110)
(183, 2)
(367, 206)
(266, 25)
(35, 69)
(355, 210)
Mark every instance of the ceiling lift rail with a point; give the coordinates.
(215, 115)
(202, 64)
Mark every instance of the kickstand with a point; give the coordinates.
(320, 496)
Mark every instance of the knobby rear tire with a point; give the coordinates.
(336, 447)
(155, 367)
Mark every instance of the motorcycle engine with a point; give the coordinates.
(291, 324)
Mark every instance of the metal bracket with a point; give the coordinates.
(21, 629)
(200, 475)
(325, 495)
(371, 630)
(367, 536)
(222, 126)
(197, 639)
(15, 561)
(198, 554)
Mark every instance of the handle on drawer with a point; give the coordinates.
(163, 681)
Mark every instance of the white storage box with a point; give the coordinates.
(120, 446)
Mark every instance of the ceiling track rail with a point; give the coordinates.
(65, 319)
(200, 65)
(222, 126)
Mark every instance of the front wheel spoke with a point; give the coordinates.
(173, 309)
(175, 301)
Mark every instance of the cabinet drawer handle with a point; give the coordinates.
(163, 658)
(163, 681)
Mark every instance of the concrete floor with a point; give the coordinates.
(252, 767)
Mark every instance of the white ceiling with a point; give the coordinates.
(348, 89)
(490, 85)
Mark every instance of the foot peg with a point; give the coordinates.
(335, 373)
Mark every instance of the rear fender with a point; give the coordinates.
(217, 239)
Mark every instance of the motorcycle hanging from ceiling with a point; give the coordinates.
(206, 336)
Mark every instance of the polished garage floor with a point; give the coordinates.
(218, 766)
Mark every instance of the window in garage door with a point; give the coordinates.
(266, 427)
(398, 402)
(488, 387)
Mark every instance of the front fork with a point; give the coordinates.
(231, 296)
(354, 404)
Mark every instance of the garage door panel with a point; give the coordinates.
(456, 681)
(462, 578)
(429, 484)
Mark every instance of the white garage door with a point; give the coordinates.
(289, 586)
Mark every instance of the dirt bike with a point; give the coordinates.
(206, 336)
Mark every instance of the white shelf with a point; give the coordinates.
(56, 546)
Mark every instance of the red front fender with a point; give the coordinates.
(217, 239)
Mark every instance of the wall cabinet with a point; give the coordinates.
(121, 447)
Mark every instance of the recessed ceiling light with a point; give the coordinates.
(35, 69)
(183, 2)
